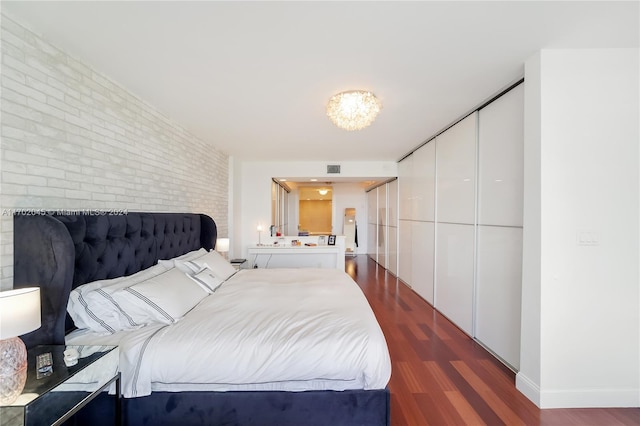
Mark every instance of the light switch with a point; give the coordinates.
(588, 238)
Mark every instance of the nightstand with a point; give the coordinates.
(238, 263)
(52, 399)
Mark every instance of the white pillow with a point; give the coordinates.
(91, 305)
(170, 263)
(207, 280)
(165, 298)
(218, 264)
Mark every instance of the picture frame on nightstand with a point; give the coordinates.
(332, 240)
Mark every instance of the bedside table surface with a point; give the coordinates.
(48, 399)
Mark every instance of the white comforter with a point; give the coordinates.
(263, 329)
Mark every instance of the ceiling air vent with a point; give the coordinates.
(333, 168)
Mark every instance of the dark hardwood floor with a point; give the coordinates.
(442, 377)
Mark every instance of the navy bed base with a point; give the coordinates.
(60, 252)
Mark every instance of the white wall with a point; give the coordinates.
(580, 276)
(74, 139)
(252, 191)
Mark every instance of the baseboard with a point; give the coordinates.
(590, 398)
(528, 388)
(577, 398)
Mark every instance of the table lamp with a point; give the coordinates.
(222, 246)
(19, 314)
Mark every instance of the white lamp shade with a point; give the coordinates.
(19, 311)
(222, 245)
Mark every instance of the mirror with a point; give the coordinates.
(350, 231)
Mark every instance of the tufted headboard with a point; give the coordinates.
(60, 252)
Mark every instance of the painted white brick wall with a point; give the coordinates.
(73, 139)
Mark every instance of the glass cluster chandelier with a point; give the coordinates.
(354, 109)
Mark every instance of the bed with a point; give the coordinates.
(307, 367)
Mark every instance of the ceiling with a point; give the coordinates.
(253, 78)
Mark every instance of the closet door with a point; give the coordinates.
(372, 224)
(382, 226)
(500, 204)
(392, 242)
(455, 222)
(405, 196)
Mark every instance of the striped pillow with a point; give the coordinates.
(165, 298)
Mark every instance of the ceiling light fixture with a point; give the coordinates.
(323, 191)
(353, 110)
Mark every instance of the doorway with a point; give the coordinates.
(315, 210)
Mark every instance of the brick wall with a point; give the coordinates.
(72, 139)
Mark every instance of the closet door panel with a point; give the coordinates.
(501, 160)
(392, 259)
(404, 251)
(392, 216)
(372, 241)
(382, 245)
(498, 291)
(382, 225)
(424, 172)
(456, 166)
(454, 273)
(382, 204)
(422, 250)
(372, 206)
(392, 203)
(405, 187)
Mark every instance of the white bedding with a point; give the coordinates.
(263, 329)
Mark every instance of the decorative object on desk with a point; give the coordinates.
(222, 246)
(322, 240)
(332, 240)
(259, 235)
(71, 356)
(353, 110)
(19, 314)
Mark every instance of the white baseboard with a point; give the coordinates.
(577, 398)
(528, 388)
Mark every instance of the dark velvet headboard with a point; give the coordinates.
(60, 252)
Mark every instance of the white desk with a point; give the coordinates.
(288, 256)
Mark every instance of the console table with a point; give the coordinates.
(287, 256)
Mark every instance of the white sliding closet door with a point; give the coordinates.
(372, 224)
(392, 216)
(382, 226)
(500, 203)
(405, 202)
(455, 222)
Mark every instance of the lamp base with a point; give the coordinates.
(13, 369)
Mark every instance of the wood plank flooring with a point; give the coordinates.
(442, 377)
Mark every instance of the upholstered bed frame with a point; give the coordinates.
(60, 252)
